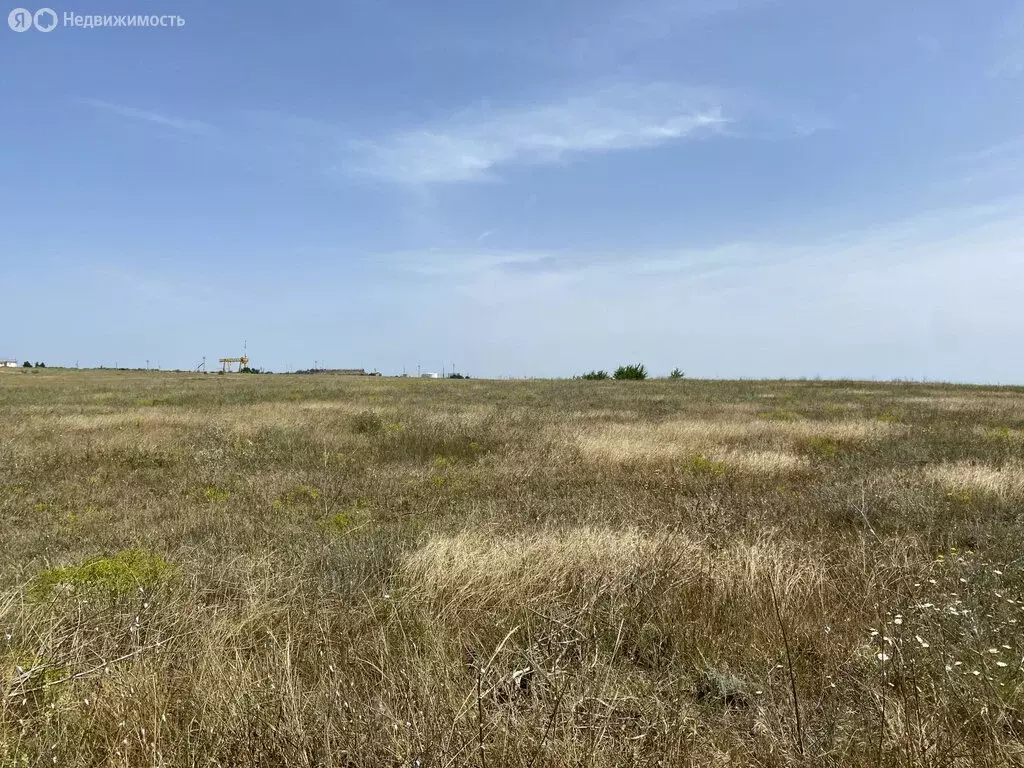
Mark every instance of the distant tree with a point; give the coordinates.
(596, 376)
(26, 364)
(635, 372)
(40, 365)
(676, 374)
(457, 376)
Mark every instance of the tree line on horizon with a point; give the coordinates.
(629, 372)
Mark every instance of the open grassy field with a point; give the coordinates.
(325, 571)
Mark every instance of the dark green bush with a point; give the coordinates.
(635, 372)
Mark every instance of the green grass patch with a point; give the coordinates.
(213, 494)
(118, 575)
(699, 464)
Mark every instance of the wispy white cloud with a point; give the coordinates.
(478, 144)
(989, 170)
(919, 239)
(195, 127)
(473, 144)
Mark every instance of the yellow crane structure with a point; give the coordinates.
(227, 362)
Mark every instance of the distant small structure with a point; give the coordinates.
(227, 363)
(430, 375)
(8, 363)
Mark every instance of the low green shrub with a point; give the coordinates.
(634, 372)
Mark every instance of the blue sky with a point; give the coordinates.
(532, 188)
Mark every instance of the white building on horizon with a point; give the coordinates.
(7, 363)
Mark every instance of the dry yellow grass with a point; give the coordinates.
(681, 437)
(467, 570)
(994, 403)
(763, 462)
(1006, 480)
